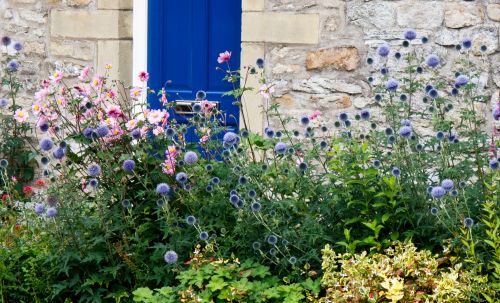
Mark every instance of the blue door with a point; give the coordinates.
(185, 38)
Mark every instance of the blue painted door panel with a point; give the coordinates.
(185, 38)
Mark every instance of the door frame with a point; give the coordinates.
(249, 53)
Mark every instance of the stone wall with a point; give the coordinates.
(68, 35)
(330, 73)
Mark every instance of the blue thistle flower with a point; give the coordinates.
(163, 189)
(46, 144)
(432, 60)
(434, 211)
(191, 220)
(466, 43)
(392, 85)
(94, 170)
(365, 114)
(323, 144)
(234, 199)
(347, 123)
(303, 166)
(256, 245)
(376, 163)
(494, 164)
(215, 180)
(461, 80)
(343, 116)
(93, 183)
(410, 34)
(12, 66)
(181, 177)
(44, 160)
(496, 114)
(255, 206)
(433, 93)
(304, 120)
(203, 235)
(405, 122)
(405, 131)
(391, 139)
(468, 222)
(51, 212)
(269, 132)
(126, 203)
(87, 132)
(384, 71)
(396, 172)
(6, 40)
(242, 180)
(272, 239)
(128, 165)
(454, 193)
(454, 91)
(252, 193)
(230, 139)
(59, 153)
(292, 260)
(462, 184)
(170, 257)
(260, 63)
(383, 50)
(447, 184)
(3, 102)
(438, 192)
(191, 157)
(102, 131)
(280, 148)
(18, 46)
(369, 61)
(388, 131)
(440, 135)
(39, 208)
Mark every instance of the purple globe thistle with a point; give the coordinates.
(43, 126)
(365, 114)
(410, 34)
(3, 102)
(447, 184)
(405, 131)
(467, 43)
(190, 157)
(93, 183)
(51, 212)
(203, 236)
(343, 116)
(6, 40)
(405, 122)
(432, 60)
(255, 206)
(496, 113)
(94, 170)
(468, 222)
(396, 172)
(392, 84)
(230, 139)
(128, 165)
(280, 148)
(87, 132)
(18, 46)
(461, 80)
(170, 257)
(292, 260)
(433, 93)
(494, 164)
(181, 177)
(102, 131)
(163, 189)
(12, 66)
(438, 192)
(272, 239)
(46, 144)
(191, 220)
(434, 211)
(383, 50)
(269, 131)
(39, 208)
(59, 153)
(304, 120)
(260, 63)
(136, 134)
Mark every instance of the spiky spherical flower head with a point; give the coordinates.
(128, 165)
(126, 203)
(46, 144)
(6, 40)
(494, 164)
(376, 163)
(343, 117)
(12, 66)
(39, 208)
(170, 257)
(191, 157)
(163, 189)
(467, 43)
(255, 206)
(396, 172)
(438, 192)
(405, 131)
(410, 34)
(292, 260)
(468, 222)
(434, 211)
(203, 235)
(447, 184)
(272, 239)
(392, 85)
(496, 113)
(383, 50)
(93, 183)
(461, 80)
(440, 135)
(230, 139)
(102, 131)
(181, 177)
(191, 220)
(94, 170)
(51, 212)
(280, 148)
(365, 114)
(433, 60)
(4, 163)
(59, 153)
(18, 46)
(87, 132)
(304, 120)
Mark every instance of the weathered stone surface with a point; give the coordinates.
(286, 101)
(487, 36)
(493, 11)
(425, 14)
(34, 47)
(80, 2)
(340, 58)
(332, 101)
(371, 14)
(33, 16)
(318, 85)
(115, 4)
(251, 5)
(462, 14)
(279, 69)
(72, 49)
(362, 102)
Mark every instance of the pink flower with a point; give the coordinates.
(144, 76)
(168, 167)
(114, 112)
(97, 82)
(111, 94)
(224, 57)
(21, 115)
(315, 115)
(204, 139)
(36, 108)
(57, 77)
(158, 130)
(206, 106)
(45, 83)
(131, 124)
(42, 94)
(61, 102)
(156, 116)
(163, 98)
(14, 179)
(135, 93)
(85, 73)
(266, 91)
(171, 152)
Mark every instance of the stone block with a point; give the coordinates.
(462, 14)
(253, 5)
(493, 11)
(100, 24)
(73, 49)
(78, 2)
(118, 53)
(422, 14)
(280, 28)
(380, 15)
(340, 58)
(115, 4)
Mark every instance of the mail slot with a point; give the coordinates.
(185, 107)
